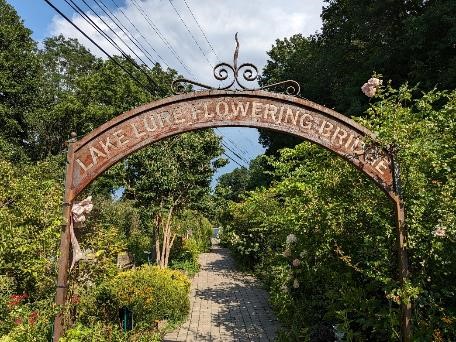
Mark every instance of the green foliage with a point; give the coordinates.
(30, 219)
(185, 255)
(96, 332)
(342, 271)
(19, 76)
(178, 168)
(45, 94)
(151, 293)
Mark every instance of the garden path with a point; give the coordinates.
(226, 305)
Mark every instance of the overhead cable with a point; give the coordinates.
(125, 31)
(190, 32)
(156, 30)
(77, 9)
(152, 91)
(201, 29)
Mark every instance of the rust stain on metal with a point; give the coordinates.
(150, 123)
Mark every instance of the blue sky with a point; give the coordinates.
(259, 23)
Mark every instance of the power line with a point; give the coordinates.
(191, 34)
(244, 152)
(135, 27)
(156, 30)
(235, 146)
(201, 29)
(77, 9)
(152, 91)
(115, 33)
(226, 155)
(130, 36)
(237, 155)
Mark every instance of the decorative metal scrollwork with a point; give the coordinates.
(224, 71)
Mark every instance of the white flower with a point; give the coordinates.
(291, 238)
(287, 253)
(296, 262)
(296, 283)
(440, 231)
(284, 288)
(302, 254)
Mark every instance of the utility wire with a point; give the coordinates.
(244, 152)
(226, 155)
(115, 33)
(134, 26)
(77, 9)
(201, 29)
(191, 34)
(234, 145)
(152, 91)
(156, 30)
(125, 31)
(237, 155)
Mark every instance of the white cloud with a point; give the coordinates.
(259, 24)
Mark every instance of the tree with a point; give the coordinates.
(168, 177)
(19, 80)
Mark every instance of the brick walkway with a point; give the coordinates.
(226, 305)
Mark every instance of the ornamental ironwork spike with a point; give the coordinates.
(224, 71)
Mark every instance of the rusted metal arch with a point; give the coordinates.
(123, 135)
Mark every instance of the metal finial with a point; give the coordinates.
(236, 52)
(223, 71)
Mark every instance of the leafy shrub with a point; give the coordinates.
(151, 293)
(100, 332)
(27, 321)
(187, 259)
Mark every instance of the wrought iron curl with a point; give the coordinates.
(246, 72)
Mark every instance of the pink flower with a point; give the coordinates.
(296, 262)
(375, 82)
(287, 253)
(368, 90)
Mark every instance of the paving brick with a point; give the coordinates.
(226, 305)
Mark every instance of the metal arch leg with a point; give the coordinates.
(64, 258)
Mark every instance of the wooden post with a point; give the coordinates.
(401, 231)
(64, 258)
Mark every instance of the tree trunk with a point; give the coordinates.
(169, 249)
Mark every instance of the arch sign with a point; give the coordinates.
(89, 157)
(144, 125)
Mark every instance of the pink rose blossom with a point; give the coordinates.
(296, 262)
(368, 90)
(375, 82)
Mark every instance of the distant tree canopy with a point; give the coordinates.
(405, 41)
